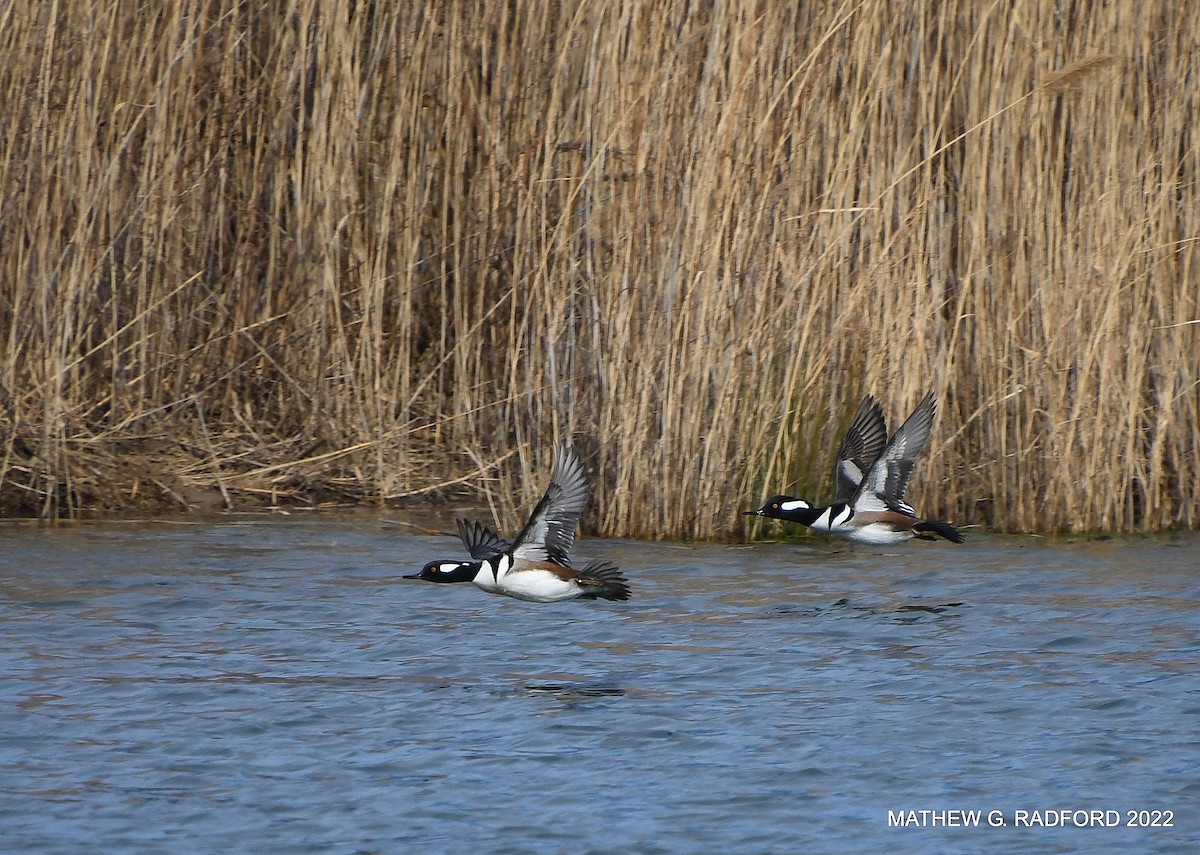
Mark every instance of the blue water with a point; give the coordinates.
(275, 686)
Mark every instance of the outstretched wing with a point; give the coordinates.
(887, 479)
(480, 540)
(550, 533)
(862, 446)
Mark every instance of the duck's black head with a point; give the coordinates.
(448, 571)
(786, 508)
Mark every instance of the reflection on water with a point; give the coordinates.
(572, 692)
(276, 686)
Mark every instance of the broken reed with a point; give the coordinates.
(310, 249)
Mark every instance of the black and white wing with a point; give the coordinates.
(862, 446)
(550, 532)
(887, 479)
(480, 540)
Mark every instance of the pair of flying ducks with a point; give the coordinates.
(871, 475)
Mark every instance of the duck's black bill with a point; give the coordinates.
(413, 576)
(757, 513)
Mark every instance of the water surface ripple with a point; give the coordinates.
(275, 686)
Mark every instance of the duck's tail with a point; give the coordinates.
(602, 579)
(928, 528)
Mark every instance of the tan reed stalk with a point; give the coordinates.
(394, 252)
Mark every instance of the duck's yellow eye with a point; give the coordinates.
(775, 505)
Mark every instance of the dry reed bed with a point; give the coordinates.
(310, 249)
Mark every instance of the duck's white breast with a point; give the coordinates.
(874, 534)
(539, 586)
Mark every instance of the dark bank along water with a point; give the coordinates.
(276, 686)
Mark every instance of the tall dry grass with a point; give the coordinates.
(313, 249)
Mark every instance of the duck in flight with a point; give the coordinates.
(871, 475)
(536, 566)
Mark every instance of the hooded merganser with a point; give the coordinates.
(869, 505)
(536, 566)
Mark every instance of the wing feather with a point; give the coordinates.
(549, 535)
(864, 442)
(481, 542)
(887, 479)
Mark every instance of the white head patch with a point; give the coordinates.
(797, 505)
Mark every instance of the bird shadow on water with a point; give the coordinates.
(570, 692)
(845, 607)
(564, 695)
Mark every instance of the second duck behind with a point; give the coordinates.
(869, 505)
